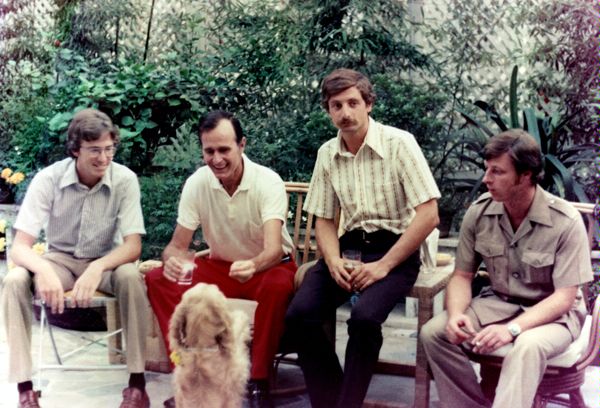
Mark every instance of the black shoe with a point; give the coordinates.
(169, 403)
(258, 394)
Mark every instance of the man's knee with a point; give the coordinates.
(17, 279)
(433, 329)
(127, 276)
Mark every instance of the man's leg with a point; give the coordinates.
(127, 284)
(364, 327)
(316, 300)
(453, 373)
(164, 296)
(524, 366)
(17, 310)
(272, 289)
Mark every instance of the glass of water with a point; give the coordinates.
(189, 264)
(352, 260)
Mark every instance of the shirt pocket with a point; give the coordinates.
(538, 267)
(493, 257)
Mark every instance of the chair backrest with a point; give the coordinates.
(301, 225)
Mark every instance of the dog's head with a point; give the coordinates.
(201, 320)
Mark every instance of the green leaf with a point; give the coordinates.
(127, 121)
(530, 121)
(60, 121)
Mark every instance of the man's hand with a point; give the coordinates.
(242, 271)
(459, 328)
(173, 268)
(368, 273)
(339, 274)
(86, 285)
(491, 338)
(50, 290)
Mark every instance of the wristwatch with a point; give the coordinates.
(514, 329)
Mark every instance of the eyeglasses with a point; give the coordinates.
(94, 151)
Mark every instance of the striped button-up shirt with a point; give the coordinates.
(379, 187)
(82, 221)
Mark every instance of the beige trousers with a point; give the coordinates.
(521, 373)
(125, 282)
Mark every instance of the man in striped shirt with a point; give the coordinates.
(378, 175)
(89, 208)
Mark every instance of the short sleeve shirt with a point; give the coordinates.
(84, 222)
(379, 187)
(548, 251)
(232, 226)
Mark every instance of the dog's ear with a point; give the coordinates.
(177, 326)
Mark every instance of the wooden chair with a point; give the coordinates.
(565, 373)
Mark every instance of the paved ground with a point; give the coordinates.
(102, 389)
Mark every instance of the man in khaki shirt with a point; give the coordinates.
(535, 249)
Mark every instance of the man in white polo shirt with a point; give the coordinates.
(90, 210)
(241, 208)
(379, 178)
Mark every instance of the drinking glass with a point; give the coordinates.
(352, 259)
(189, 265)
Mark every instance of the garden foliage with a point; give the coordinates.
(155, 70)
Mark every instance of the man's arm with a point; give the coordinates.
(425, 220)
(270, 255)
(171, 256)
(458, 297)
(329, 244)
(47, 283)
(546, 311)
(87, 283)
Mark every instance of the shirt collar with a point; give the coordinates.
(246, 176)
(373, 140)
(539, 212)
(70, 176)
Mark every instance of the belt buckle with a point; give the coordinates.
(365, 240)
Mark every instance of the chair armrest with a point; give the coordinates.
(594, 344)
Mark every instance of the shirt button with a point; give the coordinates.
(516, 275)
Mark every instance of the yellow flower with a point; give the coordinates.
(39, 248)
(2, 244)
(6, 173)
(16, 178)
(2, 226)
(175, 358)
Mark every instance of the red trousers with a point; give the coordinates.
(272, 289)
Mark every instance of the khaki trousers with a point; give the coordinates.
(125, 282)
(521, 373)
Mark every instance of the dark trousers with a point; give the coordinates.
(317, 299)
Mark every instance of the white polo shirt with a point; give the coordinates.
(232, 226)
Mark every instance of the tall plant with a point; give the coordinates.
(552, 134)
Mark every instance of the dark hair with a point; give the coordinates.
(342, 79)
(522, 149)
(212, 119)
(89, 125)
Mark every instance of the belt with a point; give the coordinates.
(366, 238)
(516, 300)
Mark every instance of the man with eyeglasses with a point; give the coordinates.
(90, 210)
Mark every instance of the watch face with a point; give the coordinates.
(514, 329)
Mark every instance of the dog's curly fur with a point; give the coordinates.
(212, 343)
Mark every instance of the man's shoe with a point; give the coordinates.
(170, 403)
(135, 398)
(28, 399)
(258, 394)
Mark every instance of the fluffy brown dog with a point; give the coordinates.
(209, 343)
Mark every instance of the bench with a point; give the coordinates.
(301, 224)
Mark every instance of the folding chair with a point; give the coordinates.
(113, 338)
